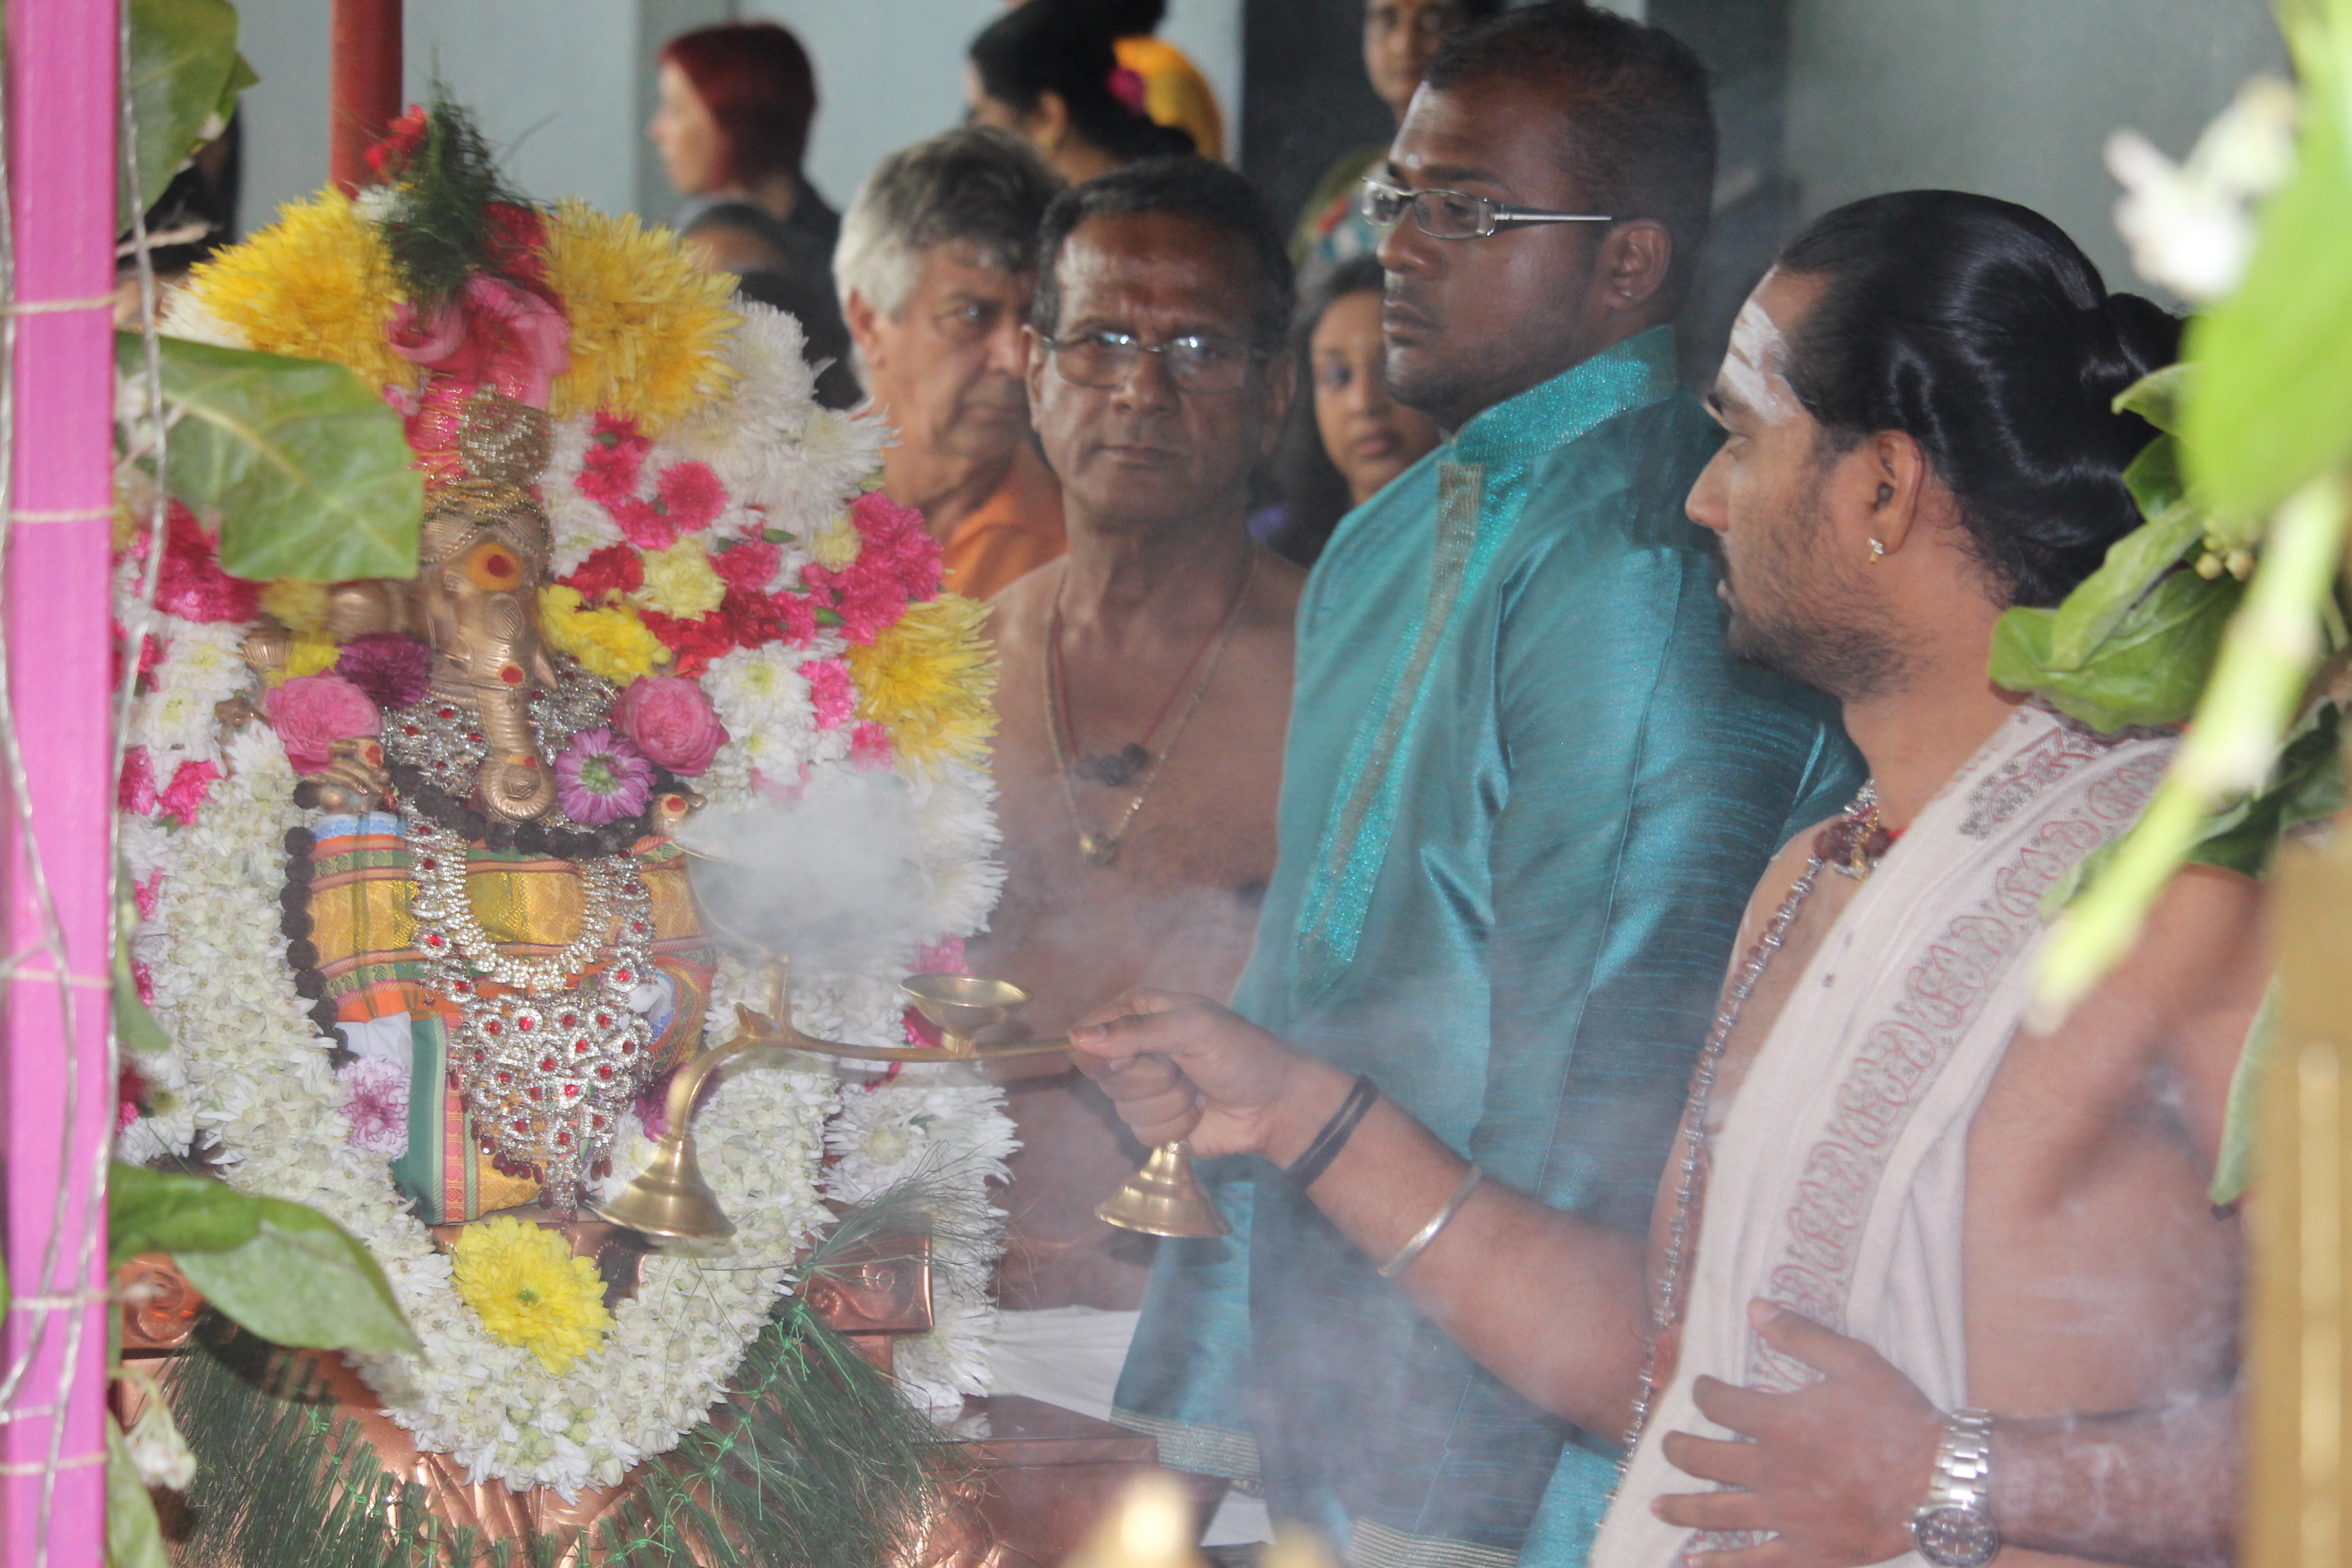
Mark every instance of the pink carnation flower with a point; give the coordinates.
(375, 1103)
(691, 496)
(831, 690)
(671, 722)
(311, 713)
(191, 786)
(135, 791)
(897, 539)
(600, 778)
(870, 749)
(395, 671)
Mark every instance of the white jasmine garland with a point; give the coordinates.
(255, 1077)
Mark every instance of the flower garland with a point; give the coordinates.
(719, 565)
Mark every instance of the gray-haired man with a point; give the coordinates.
(935, 267)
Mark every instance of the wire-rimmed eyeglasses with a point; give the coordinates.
(1453, 215)
(1195, 362)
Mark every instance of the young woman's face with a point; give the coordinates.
(692, 149)
(1370, 438)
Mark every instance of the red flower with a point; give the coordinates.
(191, 583)
(613, 463)
(517, 238)
(755, 620)
(403, 137)
(616, 569)
(691, 496)
(747, 565)
(693, 640)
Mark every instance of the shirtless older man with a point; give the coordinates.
(2009, 1223)
(1146, 685)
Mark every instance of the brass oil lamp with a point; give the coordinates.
(670, 1201)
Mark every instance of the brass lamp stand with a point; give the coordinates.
(669, 1199)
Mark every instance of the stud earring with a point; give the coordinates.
(1877, 552)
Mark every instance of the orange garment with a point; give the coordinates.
(1009, 534)
(1175, 93)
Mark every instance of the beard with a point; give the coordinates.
(1796, 611)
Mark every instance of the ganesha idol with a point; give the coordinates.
(647, 578)
(488, 896)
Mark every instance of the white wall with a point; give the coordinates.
(552, 82)
(285, 116)
(2010, 98)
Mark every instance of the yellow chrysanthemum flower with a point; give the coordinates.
(647, 322)
(611, 642)
(929, 679)
(300, 607)
(530, 1291)
(312, 656)
(679, 581)
(316, 284)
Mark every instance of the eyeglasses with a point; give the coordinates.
(1451, 215)
(1196, 362)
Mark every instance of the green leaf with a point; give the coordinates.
(2271, 403)
(308, 468)
(2155, 479)
(2306, 785)
(2148, 668)
(2134, 564)
(185, 70)
(2156, 396)
(301, 1281)
(134, 1537)
(160, 1211)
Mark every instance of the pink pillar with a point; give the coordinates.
(61, 137)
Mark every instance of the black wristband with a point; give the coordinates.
(1335, 1134)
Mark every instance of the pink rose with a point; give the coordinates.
(311, 713)
(671, 722)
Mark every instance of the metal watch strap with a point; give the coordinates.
(1964, 1463)
(1953, 1526)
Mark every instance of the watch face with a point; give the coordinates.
(1956, 1537)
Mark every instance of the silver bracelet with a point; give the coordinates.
(1428, 1232)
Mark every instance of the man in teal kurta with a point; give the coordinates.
(1525, 797)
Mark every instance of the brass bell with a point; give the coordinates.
(1165, 1198)
(670, 1198)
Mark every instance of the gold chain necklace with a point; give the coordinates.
(1101, 847)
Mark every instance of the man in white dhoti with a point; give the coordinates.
(1997, 1239)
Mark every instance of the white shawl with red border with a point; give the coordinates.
(1840, 1172)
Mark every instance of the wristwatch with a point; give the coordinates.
(1954, 1528)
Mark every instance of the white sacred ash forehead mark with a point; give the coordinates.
(1754, 362)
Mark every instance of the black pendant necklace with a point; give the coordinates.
(1112, 769)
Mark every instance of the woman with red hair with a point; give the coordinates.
(732, 126)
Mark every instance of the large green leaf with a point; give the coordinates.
(301, 1281)
(184, 71)
(284, 1271)
(160, 1211)
(134, 1537)
(2148, 668)
(2271, 403)
(307, 469)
